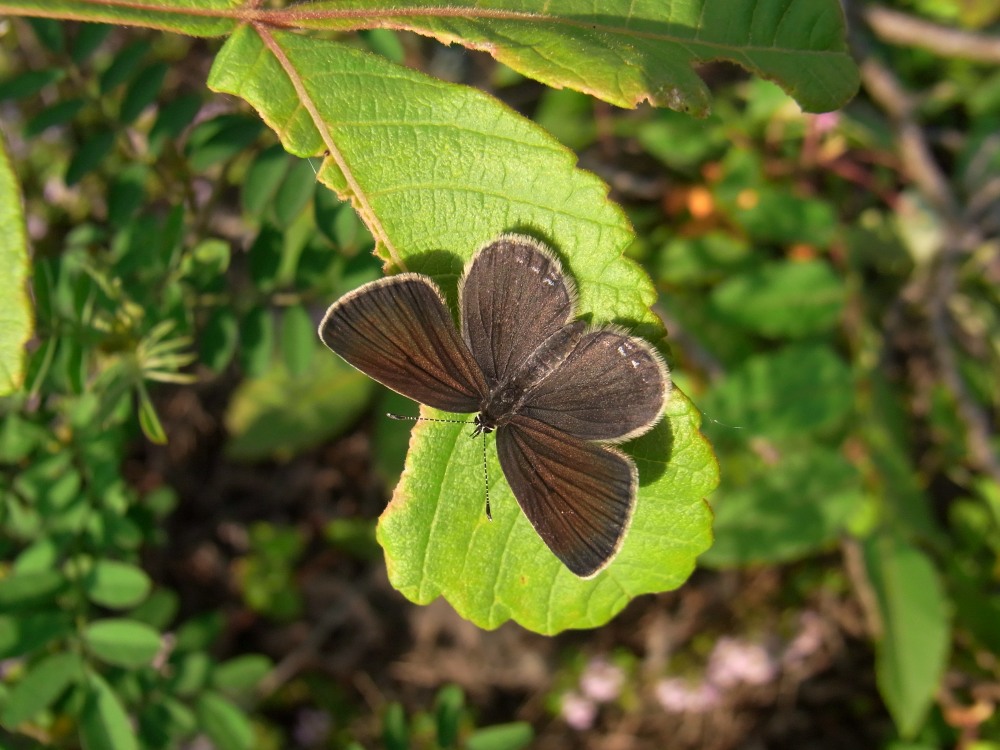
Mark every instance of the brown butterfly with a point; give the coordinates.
(555, 391)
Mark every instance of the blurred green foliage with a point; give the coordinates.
(174, 242)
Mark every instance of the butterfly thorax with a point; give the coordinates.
(505, 399)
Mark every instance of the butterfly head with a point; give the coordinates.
(484, 425)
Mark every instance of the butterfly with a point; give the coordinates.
(556, 392)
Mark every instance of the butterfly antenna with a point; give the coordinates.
(486, 474)
(712, 419)
(406, 418)
(486, 478)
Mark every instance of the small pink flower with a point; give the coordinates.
(734, 662)
(826, 122)
(312, 727)
(602, 681)
(578, 711)
(678, 696)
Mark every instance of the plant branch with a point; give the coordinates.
(937, 283)
(901, 28)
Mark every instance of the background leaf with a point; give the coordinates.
(125, 643)
(225, 724)
(783, 299)
(626, 53)
(629, 52)
(104, 725)
(805, 388)
(279, 414)
(116, 584)
(16, 319)
(785, 510)
(916, 630)
(43, 683)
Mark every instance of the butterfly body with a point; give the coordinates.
(504, 400)
(553, 390)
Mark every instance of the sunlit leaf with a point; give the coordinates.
(16, 319)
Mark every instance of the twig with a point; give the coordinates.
(937, 284)
(902, 28)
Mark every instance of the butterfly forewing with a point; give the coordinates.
(513, 296)
(399, 332)
(578, 495)
(612, 386)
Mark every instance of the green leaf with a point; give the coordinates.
(682, 142)
(512, 736)
(279, 415)
(295, 191)
(218, 340)
(29, 589)
(41, 685)
(172, 119)
(770, 212)
(104, 725)
(16, 319)
(627, 53)
(786, 511)
(23, 633)
(491, 171)
(385, 43)
(41, 555)
(158, 610)
(340, 223)
(213, 17)
(88, 38)
(125, 196)
(165, 721)
(448, 713)
(916, 634)
(121, 642)
(28, 83)
(623, 53)
(60, 113)
(142, 91)
(395, 733)
(256, 341)
(707, 258)
(49, 32)
(220, 139)
(263, 178)
(783, 299)
(199, 633)
(438, 541)
(90, 154)
(240, 676)
(123, 65)
(298, 340)
(207, 261)
(801, 389)
(265, 257)
(190, 673)
(116, 585)
(149, 420)
(224, 723)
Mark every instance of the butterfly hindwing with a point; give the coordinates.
(399, 332)
(577, 495)
(512, 297)
(612, 386)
